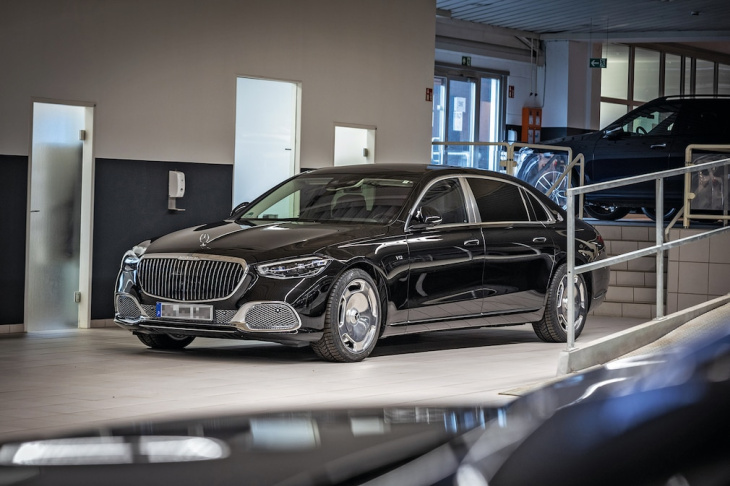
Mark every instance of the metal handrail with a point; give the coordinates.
(659, 248)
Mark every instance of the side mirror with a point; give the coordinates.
(614, 134)
(425, 217)
(238, 208)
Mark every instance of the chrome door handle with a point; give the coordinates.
(471, 242)
(658, 145)
(539, 239)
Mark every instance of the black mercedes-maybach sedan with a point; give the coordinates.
(338, 258)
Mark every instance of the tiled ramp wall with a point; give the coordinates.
(694, 273)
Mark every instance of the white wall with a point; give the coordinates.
(163, 72)
(573, 90)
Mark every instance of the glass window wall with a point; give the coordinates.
(672, 75)
(646, 74)
(723, 79)
(614, 79)
(704, 77)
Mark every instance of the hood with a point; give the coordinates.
(261, 242)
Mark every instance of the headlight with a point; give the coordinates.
(130, 261)
(295, 268)
(131, 258)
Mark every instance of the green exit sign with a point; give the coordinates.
(466, 60)
(598, 62)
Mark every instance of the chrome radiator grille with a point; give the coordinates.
(190, 279)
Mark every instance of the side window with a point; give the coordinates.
(447, 198)
(498, 201)
(656, 120)
(706, 119)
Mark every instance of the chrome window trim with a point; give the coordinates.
(459, 179)
(522, 191)
(532, 199)
(471, 206)
(198, 257)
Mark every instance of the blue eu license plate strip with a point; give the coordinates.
(188, 312)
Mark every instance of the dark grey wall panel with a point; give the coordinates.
(13, 201)
(130, 206)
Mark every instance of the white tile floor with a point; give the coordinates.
(65, 380)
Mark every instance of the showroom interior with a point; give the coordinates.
(153, 88)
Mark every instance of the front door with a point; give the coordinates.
(641, 145)
(446, 261)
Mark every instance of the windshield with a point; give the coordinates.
(342, 198)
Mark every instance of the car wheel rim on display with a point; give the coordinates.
(358, 314)
(579, 297)
(546, 181)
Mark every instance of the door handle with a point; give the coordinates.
(35, 210)
(658, 145)
(539, 239)
(474, 242)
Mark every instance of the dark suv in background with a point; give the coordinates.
(648, 139)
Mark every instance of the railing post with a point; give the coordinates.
(570, 287)
(660, 244)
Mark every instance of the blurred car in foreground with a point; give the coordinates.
(338, 258)
(655, 420)
(650, 138)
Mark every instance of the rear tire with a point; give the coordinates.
(606, 213)
(552, 327)
(165, 341)
(352, 319)
(651, 213)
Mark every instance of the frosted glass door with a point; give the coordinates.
(54, 222)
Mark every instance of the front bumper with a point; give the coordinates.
(262, 320)
(288, 311)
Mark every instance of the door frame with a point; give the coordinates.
(451, 72)
(87, 211)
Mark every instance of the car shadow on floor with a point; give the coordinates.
(217, 350)
(454, 340)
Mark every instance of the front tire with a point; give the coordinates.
(352, 319)
(165, 341)
(552, 327)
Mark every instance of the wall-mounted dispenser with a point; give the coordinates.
(176, 189)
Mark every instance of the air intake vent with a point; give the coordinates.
(271, 317)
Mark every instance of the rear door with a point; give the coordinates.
(519, 250)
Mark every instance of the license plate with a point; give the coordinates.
(191, 312)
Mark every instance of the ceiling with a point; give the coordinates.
(703, 24)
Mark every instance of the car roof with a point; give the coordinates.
(416, 170)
